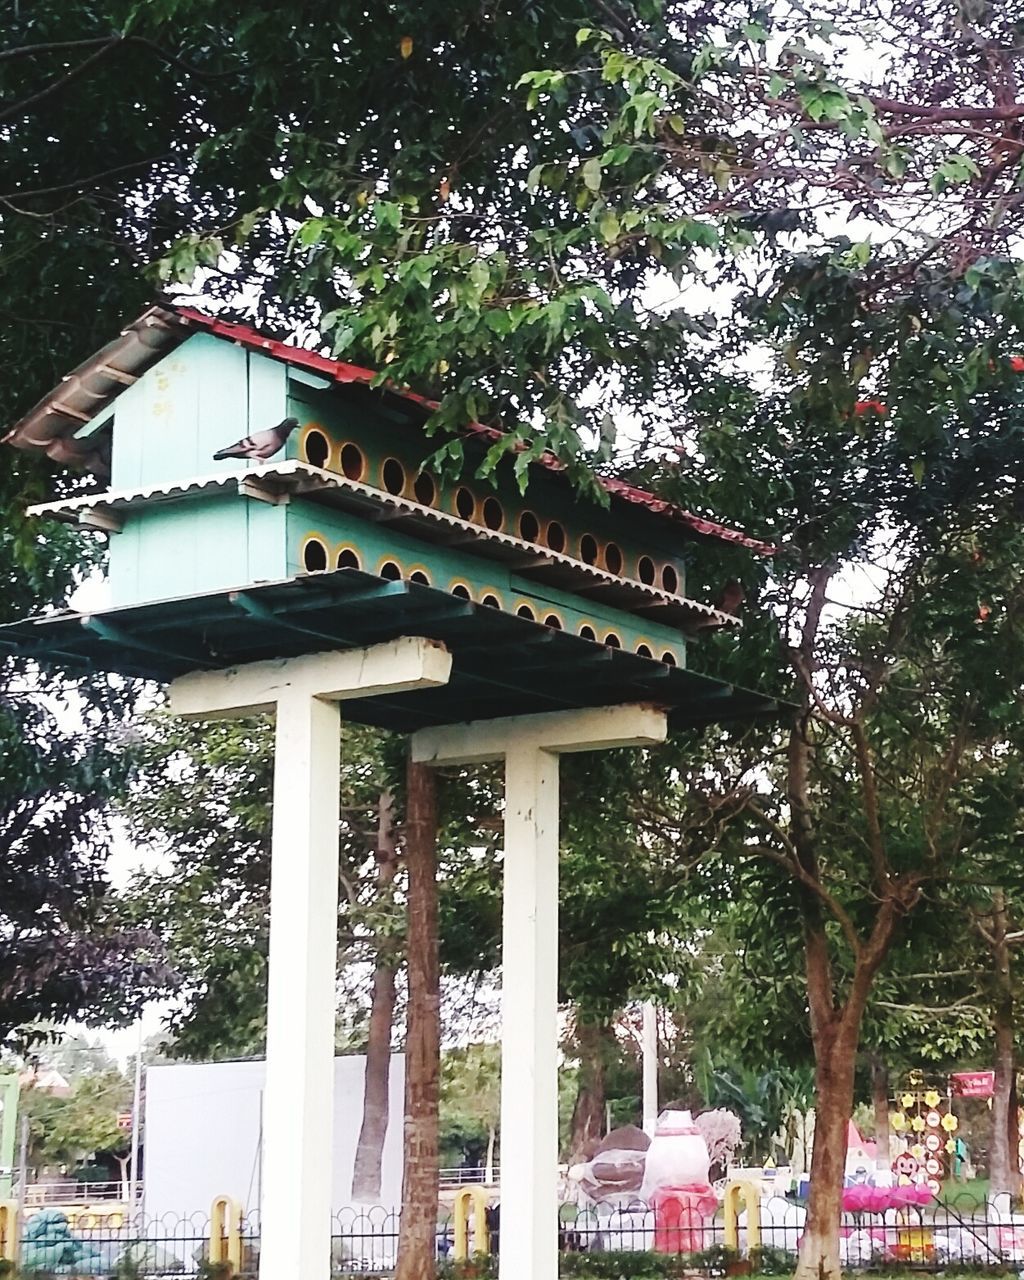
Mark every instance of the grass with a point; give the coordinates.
(965, 1196)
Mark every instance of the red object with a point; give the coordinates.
(679, 1217)
(973, 1084)
(342, 372)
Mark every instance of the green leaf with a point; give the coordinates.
(311, 231)
(609, 226)
(591, 174)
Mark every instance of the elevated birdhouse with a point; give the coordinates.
(262, 500)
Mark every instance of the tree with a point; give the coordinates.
(68, 1130)
(366, 1175)
(471, 1097)
(416, 1254)
(63, 955)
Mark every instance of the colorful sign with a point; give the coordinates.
(973, 1084)
(923, 1126)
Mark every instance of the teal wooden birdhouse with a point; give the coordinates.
(262, 500)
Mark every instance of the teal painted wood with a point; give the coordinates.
(123, 564)
(267, 542)
(226, 541)
(268, 393)
(348, 416)
(208, 393)
(205, 395)
(207, 544)
(385, 552)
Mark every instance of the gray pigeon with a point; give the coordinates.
(262, 445)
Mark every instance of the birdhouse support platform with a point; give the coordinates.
(530, 747)
(305, 694)
(298, 1124)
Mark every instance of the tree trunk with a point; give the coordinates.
(366, 1172)
(1003, 1176)
(836, 1059)
(423, 1036)
(588, 1114)
(489, 1160)
(880, 1099)
(124, 1164)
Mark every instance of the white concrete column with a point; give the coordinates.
(649, 1055)
(298, 1098)
(530, 746)
(529, 1018)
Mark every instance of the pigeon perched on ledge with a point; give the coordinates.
(262, 445)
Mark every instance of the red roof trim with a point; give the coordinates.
(342, 372)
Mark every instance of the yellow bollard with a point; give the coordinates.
(8, 1230)
(481, 1234)
(226, 1233)
(750, 1194)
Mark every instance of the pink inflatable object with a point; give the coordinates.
(676, 1184)
(679, 1217)
(865, 1199)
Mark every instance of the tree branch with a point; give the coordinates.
(79, 183)
(19, 108)
(869, 790)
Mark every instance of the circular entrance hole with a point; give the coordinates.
(612, 641)
(347, 559)
(670, 579)
(588, 549)
(390, 570)
(494, 516)
(461, 590)
(669, 657)
(529, 527)
(645, 570)
(612, 558)
(314, 556)
(587, 633)
(425, 489)
(316, 447)
(420, 577)
(643, 651)
(556, 536)
(524, 611)
(465, 503)
(353, 464)
(492, 602)
(392, 475)
(553, 621)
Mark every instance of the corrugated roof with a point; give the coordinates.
(50, 425)
(275, 480)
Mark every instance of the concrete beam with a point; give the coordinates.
(587, 729)
(411, 662)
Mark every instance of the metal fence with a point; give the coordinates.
(469, 1176)
(960, 1234)
(954, 1235)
